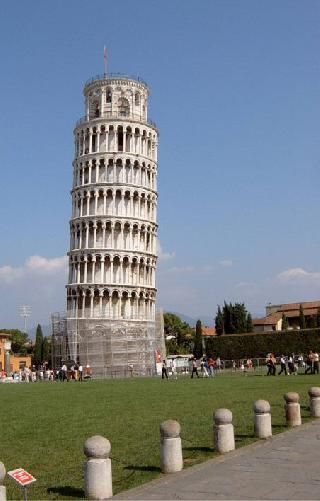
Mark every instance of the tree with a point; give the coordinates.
(38, 347)
(198, 348)
(180, 333)
(302, 318)
(233, 319)
(285, 323)
(249, 323)
(19, 341)
(46, 350)
(219, 323)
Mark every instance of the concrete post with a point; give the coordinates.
(314, 394)
(3, 493)
(262, 419)
(97, 468)
(292, 408)
(170, 447)
(223, 431)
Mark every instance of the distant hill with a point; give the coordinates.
(206, 320)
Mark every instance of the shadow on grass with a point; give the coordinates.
(240, 436)
(142, 468)
(198, 449)
(67, 491)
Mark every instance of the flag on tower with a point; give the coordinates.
(105, 57)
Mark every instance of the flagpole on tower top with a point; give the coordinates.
(105, 59)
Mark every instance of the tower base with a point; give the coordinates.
(116, 348)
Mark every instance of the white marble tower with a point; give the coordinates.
(113, 229)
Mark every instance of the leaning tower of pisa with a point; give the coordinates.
(111, 293)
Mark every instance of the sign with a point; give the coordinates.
(22, 477)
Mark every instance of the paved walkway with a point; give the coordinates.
(287, 466)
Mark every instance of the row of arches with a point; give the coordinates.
(110, 303)
(115, 171)
(118, 235)
(120, 138)
(116, 202)
(108, 269)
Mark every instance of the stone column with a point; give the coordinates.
(90, 172)
(292, 408)
(91, 302)
(223, 431)
(3, 494)
(88, 204)
(97, 468)
(93, 273)
(314, 394)
(85, 276)
(87, 235)
(94, 235)
(262, 419)
(171, 459)
(104, 202)
(102, 268)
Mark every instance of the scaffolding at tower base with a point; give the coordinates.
(110, 348)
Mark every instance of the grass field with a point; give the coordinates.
(44, 425)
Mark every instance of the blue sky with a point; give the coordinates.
(235, 94)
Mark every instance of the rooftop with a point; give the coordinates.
(115, 76)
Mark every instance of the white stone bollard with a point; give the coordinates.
(170, 447)
(3, 493)
(314, 394)
(223, 431)
(292, 407)
(262, 419)
(97, 468)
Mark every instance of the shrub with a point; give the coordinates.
(251, 345)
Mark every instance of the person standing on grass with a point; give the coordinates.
(80, 372)
(291, 364)
(211, 366)
(271, 364)
(315, 362)
(309, 363)
(194, 368)
(283, 365)
(164, 370)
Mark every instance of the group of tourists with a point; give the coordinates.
(32, 375)
(289, 365)
(208, 367)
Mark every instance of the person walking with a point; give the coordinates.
(194, 368)
(315, 362)
(211, 366)
(283, 365)
(164, 370)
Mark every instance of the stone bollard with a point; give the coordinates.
(314, 394)
(292, 408)
(3, 494)
(223, 431)
(262, 419)
(97, 468)
(170, 447)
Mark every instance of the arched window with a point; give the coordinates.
(137, 99)
(124, 107)
(108, 96)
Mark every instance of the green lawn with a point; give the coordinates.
(44, 425)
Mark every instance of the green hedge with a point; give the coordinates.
(236, 346)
